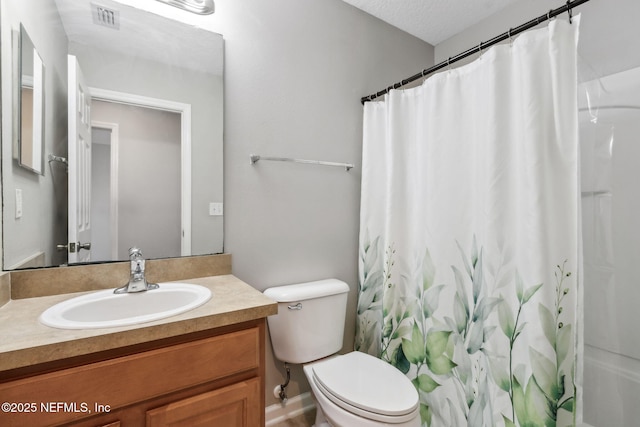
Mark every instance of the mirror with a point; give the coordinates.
(31, 105)
(135, 65)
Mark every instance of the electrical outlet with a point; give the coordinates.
(215, 209)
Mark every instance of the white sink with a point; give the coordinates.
(104, 309)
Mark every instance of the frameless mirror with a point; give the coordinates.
(30, 130)
(133, 155)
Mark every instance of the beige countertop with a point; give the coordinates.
(24, 341)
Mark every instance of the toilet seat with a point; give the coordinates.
(367, 386)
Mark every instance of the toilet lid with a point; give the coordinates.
(362, 381)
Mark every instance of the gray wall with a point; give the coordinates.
(43, 224)
(294, 74)
(609, 33)
(100, 194)
(149, 184)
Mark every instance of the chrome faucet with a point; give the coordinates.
(137, 280)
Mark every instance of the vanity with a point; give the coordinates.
(202, 367)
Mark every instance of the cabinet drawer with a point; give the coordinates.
(126, 380)
(237, 405)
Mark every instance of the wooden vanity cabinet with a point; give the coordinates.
(235, 405)
(212, 378)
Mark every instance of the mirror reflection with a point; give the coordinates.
(132, 136)
(31, 110)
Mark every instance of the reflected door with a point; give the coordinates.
(79, 165)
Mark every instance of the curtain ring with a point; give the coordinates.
(569, 11)
(480, 48)
(449, 63)
(510, 39)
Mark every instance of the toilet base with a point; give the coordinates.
(321, 420)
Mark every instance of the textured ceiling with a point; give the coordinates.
(431, 20)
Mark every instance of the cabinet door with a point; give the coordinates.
(237, 405)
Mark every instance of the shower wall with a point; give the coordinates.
(610, 165)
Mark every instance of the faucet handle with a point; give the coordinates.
(135, 252)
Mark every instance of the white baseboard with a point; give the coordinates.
(295, 406)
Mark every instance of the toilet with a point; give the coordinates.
(350, 390)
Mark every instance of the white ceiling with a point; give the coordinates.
(431, 20)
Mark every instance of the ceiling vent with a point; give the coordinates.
(105, 16)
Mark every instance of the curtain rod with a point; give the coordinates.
(483, 45)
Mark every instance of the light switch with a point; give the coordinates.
(18, 203)
(215, 209)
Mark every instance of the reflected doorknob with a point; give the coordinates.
(73, 246)
(86, 246)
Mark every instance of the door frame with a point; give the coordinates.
(185, 147)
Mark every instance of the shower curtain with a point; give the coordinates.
(469, 240)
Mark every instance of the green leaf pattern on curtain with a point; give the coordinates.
(441, 340)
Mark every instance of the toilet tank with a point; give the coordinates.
(310, 320)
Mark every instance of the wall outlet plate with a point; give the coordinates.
(215, 209)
